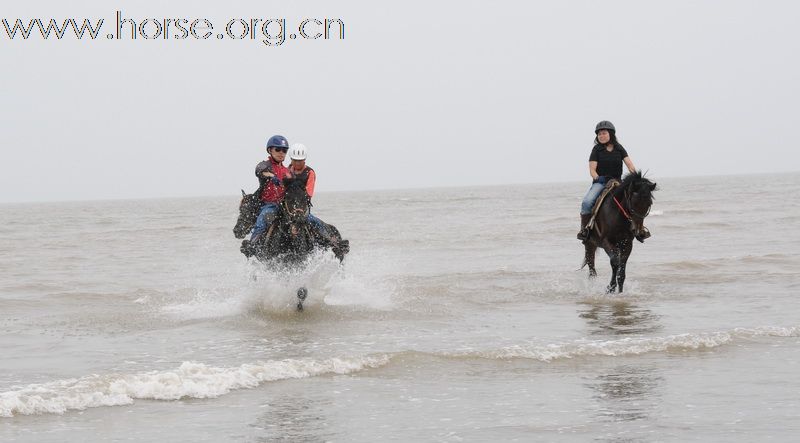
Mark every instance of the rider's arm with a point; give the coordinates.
(264, 169)
(593, 170)
(312, 179)
(629, 164)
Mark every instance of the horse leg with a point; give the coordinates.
(588, 257)
(614, 256)
(625, 252)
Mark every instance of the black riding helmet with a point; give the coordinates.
(605, 124)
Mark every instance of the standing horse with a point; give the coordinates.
(618, 220)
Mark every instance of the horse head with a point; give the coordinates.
(638, 192)
(295, 206)
(248, 212)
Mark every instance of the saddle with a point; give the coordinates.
(610, 185)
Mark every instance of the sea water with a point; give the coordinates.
(460, 314)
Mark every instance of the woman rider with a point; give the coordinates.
(298, 169)
(605, 163)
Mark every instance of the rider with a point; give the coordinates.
(605, 163)
(270, 173)
(298, 169)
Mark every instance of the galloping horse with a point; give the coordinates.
(290, 238)
(618, 220)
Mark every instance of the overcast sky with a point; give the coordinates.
(417, 94)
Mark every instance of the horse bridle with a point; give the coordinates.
(630, 207)
(290, 212)
(625, 214)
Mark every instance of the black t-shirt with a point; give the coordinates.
(608, 163)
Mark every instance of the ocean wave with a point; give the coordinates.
(197, 380)
(686, 265)
(190, 380)
(627, 346)
(730, 262)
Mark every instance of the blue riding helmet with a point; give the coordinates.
(277, 141)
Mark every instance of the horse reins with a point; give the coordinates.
(621, 209)
(624, 212)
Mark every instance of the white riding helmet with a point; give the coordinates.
(297, 151)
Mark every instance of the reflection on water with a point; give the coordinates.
(627, 392)
(301, 415)
(619, 318)
(294, 418)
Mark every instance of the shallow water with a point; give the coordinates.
(460, 314)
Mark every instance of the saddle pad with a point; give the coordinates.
(610, 185)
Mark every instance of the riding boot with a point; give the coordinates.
(339, 246)
(248, 247)
(323, 236)
(643, 234)
(583, 234)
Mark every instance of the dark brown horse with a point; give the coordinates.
(290, 238)
(618, 221)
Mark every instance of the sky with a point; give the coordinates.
(416, 94)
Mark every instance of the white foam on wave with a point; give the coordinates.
(630, 345)
(190, 380)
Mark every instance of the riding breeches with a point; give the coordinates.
(317, 223)
(591, 196)
(265, 218)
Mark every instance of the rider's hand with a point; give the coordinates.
(600, 179)
(276, 180)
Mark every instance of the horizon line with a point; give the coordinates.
(342, 191)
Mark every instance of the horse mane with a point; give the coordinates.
(630, 180)
(289, 183)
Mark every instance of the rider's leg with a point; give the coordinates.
(322, 228)
(586, 208)
(584, 232)
(317, 224)
(265, 218)
(339, 247)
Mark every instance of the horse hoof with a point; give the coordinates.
(302, 293)
(299, 306)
